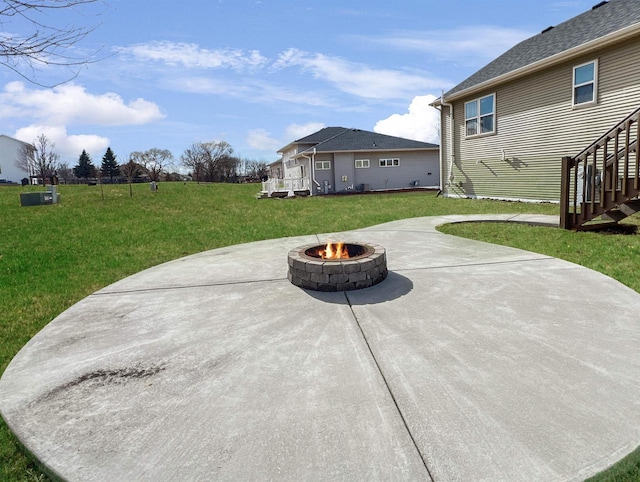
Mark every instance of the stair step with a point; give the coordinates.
(615, 215)
(593, 225)
(629, 208)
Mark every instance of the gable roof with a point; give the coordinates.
(15, 140)
(320, 136)
(613, 18)
(336, 139)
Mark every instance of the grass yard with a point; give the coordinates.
(53, 256)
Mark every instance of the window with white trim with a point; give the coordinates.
(389, 162)
(585, 83)
(362, 163)
(323, 165)
(479, 116)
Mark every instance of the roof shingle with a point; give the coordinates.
(601, 20)
(335, 139)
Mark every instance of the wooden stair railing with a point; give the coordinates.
(602, 183)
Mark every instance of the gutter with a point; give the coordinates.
(452, 138)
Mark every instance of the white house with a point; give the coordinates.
(9, 153)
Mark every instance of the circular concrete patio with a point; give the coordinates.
(469, 362)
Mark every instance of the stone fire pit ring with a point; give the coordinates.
(366, 268)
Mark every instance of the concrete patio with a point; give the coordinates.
(469, 362)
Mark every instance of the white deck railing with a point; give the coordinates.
(285, 185)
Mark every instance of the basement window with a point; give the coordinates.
(479, 116)
(585, 83)
(323, 165)
(362, 163)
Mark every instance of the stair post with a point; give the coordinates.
(565, 180)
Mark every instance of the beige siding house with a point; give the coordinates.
(505, 129)
(341, 160)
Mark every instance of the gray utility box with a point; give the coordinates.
(39, 198)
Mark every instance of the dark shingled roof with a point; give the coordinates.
(320, 136)
(335, 139)
(596, 23)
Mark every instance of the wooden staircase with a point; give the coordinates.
(601, 185)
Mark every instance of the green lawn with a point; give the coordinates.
(53, 256)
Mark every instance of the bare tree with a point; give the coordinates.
(255, 170)
(154, 161)
(65, 173)
(45, 44)
(99, 176)
(130, 170)
(25, 160)
(194, 158)
(210, 161)
(39, 159)
(226, 169)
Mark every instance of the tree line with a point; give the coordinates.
(206, 162)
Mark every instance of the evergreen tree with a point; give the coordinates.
(85, 168)
(110, 166)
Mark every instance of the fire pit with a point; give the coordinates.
(337, 266)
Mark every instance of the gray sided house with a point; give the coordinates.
(505, 129)
(339, 160)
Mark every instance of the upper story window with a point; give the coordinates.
(323, 165)
(362, 163)
(389, 162)
(585, 83)
(479, 116)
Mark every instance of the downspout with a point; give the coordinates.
(311, 170)
(451, 142)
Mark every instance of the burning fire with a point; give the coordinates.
(335, 251)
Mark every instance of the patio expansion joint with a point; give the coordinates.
(187, 287)
(386, 383)
(481, 263)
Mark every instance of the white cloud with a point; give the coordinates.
(72, 104)
(420, 123)
(358, 79)
(68, 146)
(261, 139)
(250, 90)
(298, 131)
(480, 43)
(192, 56)
(180, 66)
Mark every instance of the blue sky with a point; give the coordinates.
(259, 74)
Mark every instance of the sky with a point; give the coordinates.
(257, 74)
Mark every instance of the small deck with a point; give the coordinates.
(281, 188)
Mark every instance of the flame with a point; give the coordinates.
(335, 251)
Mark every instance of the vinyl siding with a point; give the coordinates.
(421, 166)
(537, 125)
(344, 166)
(324, 177)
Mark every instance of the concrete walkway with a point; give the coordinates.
(469, 362)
